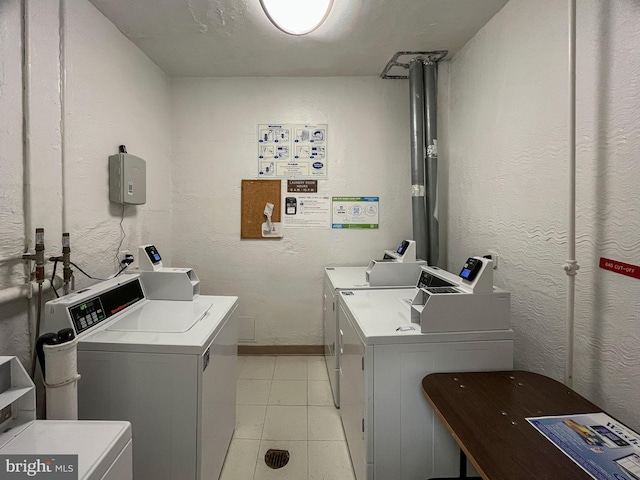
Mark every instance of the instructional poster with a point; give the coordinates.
(355, 212)
(603, 447)
(306, 211)
(292, 150)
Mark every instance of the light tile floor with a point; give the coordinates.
(285, 402)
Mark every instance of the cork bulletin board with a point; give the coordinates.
(255, 195)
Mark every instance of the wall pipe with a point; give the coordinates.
(26, 125)
(13, 258)
(431, 161)
(62, 19)
(27, 207)
(26, 291)
(418, 203)
(571, 267)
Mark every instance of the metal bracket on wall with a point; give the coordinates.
(397, 63)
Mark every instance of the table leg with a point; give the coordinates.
(463, 470)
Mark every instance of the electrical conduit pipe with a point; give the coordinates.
(571, 267)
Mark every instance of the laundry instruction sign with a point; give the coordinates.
(355, 212)
(291, 150)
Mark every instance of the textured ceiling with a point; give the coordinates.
(234, 37)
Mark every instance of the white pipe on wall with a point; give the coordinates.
(11, 293)
(26, 126)
(26, 291)
(13, 258)
(63, 96)
(571, 267)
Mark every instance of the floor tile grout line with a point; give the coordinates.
(264, 423)
(266, 412)
(307, 406)
(255, 465)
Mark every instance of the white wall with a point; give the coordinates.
(505, 158)
(114, 95)
(502, 157)
(13, 327)
(40, 204)
(279, 282)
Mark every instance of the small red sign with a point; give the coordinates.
(620, 267)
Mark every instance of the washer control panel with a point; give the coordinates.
(87, 314)
(91, 311)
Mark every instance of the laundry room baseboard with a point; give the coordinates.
(280, 349)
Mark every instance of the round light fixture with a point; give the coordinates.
(297, 17)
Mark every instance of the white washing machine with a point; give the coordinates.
(391, 430)
(399, 269)
(168, 367)
(103, 449)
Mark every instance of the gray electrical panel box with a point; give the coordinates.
(127, 179)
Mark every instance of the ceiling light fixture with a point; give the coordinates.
(297, 17)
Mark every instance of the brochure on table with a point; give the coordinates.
(603, 447)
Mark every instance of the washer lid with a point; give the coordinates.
(97, 443)
(162, 317)
(172, 326)
(384, 317)
(347, 277)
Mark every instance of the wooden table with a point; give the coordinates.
(486, 414)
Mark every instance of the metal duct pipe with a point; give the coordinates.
(431, 133)
(418, 204)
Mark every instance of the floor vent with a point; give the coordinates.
(276, 458)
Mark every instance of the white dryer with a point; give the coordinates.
(85, 450)
(399, 269)
(103, 448)
(168, 367)
(391, 430)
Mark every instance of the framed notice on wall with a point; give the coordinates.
(306, 211)
(292, 150)
(355, 212)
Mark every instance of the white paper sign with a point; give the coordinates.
(306, 211)
(292, 150)
(355, 212)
